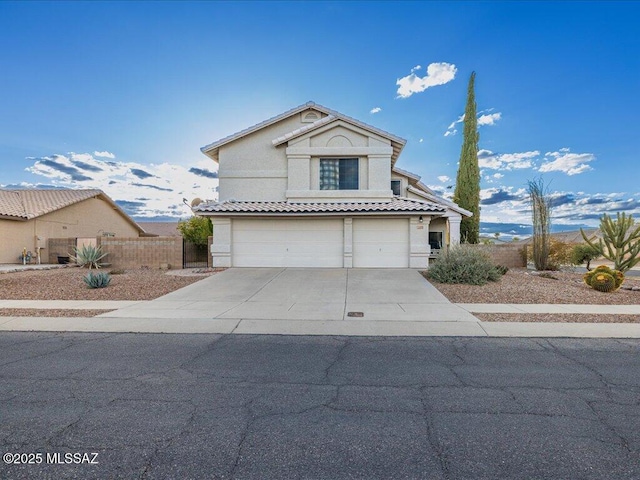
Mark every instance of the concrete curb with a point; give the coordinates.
(329, 328)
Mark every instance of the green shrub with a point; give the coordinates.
(502, 269)
(584, 253)
(464, 264)
(88, 256)
(97, 280)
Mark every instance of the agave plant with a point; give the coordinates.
(88, 256)
(98, 280)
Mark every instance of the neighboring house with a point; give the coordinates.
(161, 229)
(573, 236)
(29, 217)
(314, 188)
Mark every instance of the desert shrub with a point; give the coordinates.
(97, 280)
(584, 253)
(464, 264)
(525, 255)
(559, 254)
(88, 256)
(502, 269)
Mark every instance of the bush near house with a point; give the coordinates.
(196, 229)
(464, 264)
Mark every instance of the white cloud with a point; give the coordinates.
(417, 67)
(498, 176)
(506, 161)
(104, 154)
(375, 110)
(437, 74)
(490, 119)
(567, 162)
(143, 190)
(444, 178)
(484, 119)
(421, 140)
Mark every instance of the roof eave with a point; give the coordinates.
(453, 206)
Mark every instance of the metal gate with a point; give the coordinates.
(194, 255)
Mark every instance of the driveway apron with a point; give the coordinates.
(305, 295)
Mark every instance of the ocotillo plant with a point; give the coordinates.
(620, 242)
(541, 213)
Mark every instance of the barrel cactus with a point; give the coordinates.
(602, 278)
(603, 282)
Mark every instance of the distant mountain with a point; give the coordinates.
(509, 230)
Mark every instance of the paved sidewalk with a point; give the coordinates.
(287, 311)
(347, 327)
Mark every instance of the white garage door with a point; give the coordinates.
(288, 243)
(381, 243)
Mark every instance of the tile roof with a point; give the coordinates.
(163, 229)
(25, 204)
(396, 205)
(31, 203)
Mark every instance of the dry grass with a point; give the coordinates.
(67, 284)
(520, 286)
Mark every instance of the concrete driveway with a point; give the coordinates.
(294, 295)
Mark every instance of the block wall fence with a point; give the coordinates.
(133, 252)
(507, 255)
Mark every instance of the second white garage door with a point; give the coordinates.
(288, 243)
(381, 243)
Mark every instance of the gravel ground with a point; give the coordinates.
(520, 286)
(557, 317)
(41, 312)
(67, 284)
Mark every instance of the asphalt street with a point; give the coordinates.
(278, 407)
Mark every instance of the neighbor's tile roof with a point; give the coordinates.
(25, 204)
(396, 205)
(31, 203)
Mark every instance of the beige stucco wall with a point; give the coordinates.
(252, 169)
(89, 218)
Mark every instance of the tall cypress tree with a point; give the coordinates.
(467, 192)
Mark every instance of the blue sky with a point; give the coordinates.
(121, 96)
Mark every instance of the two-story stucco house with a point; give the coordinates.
(314, 188)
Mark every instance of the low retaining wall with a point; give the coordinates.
(143, 252)
(507, 255)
